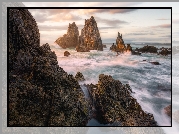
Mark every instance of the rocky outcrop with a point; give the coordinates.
(70, 39)
(104, 46)
(120, 46)
(147, 49)
(66, 53)
(40, 92)
(82, 49)
(90, 37)
(165, 52)
(113, 103)
(79, 76)
(155, 63)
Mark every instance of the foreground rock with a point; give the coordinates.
(79, 76)
(90, 37)
(66, 53)
(70, 39)
(40, 92)
(113, 103)
(167, 110)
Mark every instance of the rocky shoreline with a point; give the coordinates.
(42, 94)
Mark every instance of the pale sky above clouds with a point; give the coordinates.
(136, 25)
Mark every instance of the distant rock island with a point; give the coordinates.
(71, 38)
(90, 36)
(88, 40)
(120, 46)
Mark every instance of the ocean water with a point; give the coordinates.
(151, 83)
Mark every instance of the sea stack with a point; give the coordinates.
(120, 46)
(90, 36)
(70, 39)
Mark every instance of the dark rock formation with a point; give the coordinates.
(165, 51)
(155, 63)
(136, 53)
(113, 47)
(113, 103)
(104, 46)
(66, 53)
(71, 38)
(120, 46)
(167, 110)
(79, 76)
(40, 92)
(128, 48)
(90, 36)
(82, 49)
(147, 49)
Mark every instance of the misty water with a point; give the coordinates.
(151, 83)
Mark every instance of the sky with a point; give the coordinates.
(136, 25)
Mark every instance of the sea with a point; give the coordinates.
(150, 83)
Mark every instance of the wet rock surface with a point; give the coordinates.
(66, 53)
(40, 92)
(120, 46)
(79, 76)
(147, 49)
(104, 46)
(90, 38)
(71, 38)
(112, 102)
(165, 51)
(155, 63)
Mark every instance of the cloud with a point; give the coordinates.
(102, 28)
(162, 19)
(140, 33)
(55, 15)
(80, 4)
(52, 28)
(162, 26)
(57, 28)
(109, 22)
(166, 36)
(111, 11)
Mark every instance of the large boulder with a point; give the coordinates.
(113, 102)
(90, 37)
(40, 92)
(70, 39)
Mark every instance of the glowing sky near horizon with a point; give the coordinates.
(136, 25)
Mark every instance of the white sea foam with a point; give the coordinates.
(142, 76)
